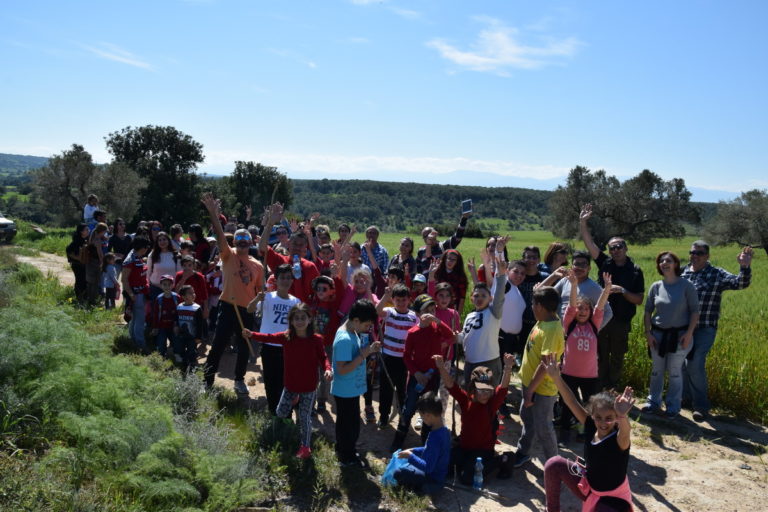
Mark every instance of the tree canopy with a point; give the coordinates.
(743, 220)
(639, 209)
(167, 158)
(258, 186)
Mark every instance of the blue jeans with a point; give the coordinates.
(415, 479)
(136, 326)
(671, 364)
(411, 398)
(694, 370)
(162, 339)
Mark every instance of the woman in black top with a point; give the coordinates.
(601, 481)
(75, 257)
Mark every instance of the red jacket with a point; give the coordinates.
(198, 283)
(477, 430)
(302, 357)
(301, 288)
(421, 343)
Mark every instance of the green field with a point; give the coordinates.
(734, 366)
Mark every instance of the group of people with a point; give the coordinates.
(337, 318)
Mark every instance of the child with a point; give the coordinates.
(602, 481)
(422, 341)
(349, 382)
(274, 318)
(109, 281)
(536, 412)
(303, 354)
(443, 294)
(189, 328)
(581, 325)
(427, 465)
(164, 317)
(418, 285)
(327, 294)
(136, 286)
(479, 405)
(215, 286)
(189, 275)
(397, 321)
(481, 327)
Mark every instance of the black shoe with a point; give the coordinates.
(382, 423)
(564, 438)
(321, 406)
(397, 442)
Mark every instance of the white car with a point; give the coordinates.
(7, 228)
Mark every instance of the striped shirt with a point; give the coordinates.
(396, 327)
(711, 282)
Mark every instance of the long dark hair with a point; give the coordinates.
(300, 308)
(76, 236)
(441, 274)
(155, 252)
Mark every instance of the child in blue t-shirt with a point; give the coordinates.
(427, 465)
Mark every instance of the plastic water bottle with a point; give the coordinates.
(477, 482)
(296, 267)
(419, 386)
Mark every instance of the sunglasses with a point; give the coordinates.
(697, 253)
(580, 264)
(616, 247)
(242, 238)
(155, 229)
(667, 260)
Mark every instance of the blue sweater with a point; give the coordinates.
(433, 457)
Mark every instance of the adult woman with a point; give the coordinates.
(555, 257)
(155, 227)
(202, 247)
(451, 270)
(120, 241)
(177, 236)
(97, 247)
(405, 256)
(671, 315)
(163, 259)
(75, 257)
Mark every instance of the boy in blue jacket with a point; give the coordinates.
(427, 465)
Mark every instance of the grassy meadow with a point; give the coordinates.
(737, 383)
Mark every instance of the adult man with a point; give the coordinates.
(710, 282)
(626, 294)
(379, 251)
(243, 279)
(434, 249)
(297, 249)
(580, 265)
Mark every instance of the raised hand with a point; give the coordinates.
(745, 257)
(210, 203)
(294, 226)
(275, 213)
(314, 217)
(509, 360)
(571, 276)
(586, 213)
(248, 211)
(624, 402)
(501, 264)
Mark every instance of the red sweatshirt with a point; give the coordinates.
(326, 315)
(198, 283)
(301, 288)
(301, 359)
(477, 432)
(423, 343)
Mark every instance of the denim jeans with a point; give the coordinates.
(416, 480)
(164, 335)
(694, 370)
(537, 424)
(137, 324)
(672, 365)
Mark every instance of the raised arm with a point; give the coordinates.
(550, 366)
(383, 300)
(606, 291)
(275, 214)
(586, 213)
(443, 371)
(501, 284)
(575, 288)
(213, 211)
(622, 405)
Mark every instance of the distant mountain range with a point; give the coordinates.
(17, 164)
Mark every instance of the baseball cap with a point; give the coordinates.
(211, 240)
(481, 377)
(166, 277)
(419, 278)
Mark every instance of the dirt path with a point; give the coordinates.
(679, 465)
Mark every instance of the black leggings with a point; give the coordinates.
(586, 386)
(226, 326)
(395, 368)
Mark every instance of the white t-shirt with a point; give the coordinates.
(165, 265)
(88, 213)
(274, 313)
(514, 305)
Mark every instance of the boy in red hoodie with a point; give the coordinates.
(164, 315)
(327, 294)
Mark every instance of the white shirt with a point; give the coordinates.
(512, 314)
(274, 313)
(165, 265)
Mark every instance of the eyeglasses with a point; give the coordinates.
(667, 260)
(242, 238)
(155, 229)
(580, 264)
(616, 247)
(697, 253)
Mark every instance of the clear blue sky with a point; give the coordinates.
(396, 90)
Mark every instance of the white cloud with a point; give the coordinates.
(115, 53)
(498, 48)
(405, 13)
(290, 54)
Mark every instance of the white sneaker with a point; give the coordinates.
(419, 423)
(240, 387)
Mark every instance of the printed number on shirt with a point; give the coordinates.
(582, 344)
(477, 324)
(281, 317)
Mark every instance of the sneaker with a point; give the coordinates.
(699, 416)
(520, 460)
(304, 452)
(370, 417)
(179, 360)
(419, 423)
(321, 406)
(671, 415)
(240, 387)
(382, 423)
(650, 408)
